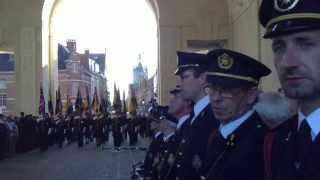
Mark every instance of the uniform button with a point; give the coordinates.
(203, 178)
(180, 154)
(178, 165)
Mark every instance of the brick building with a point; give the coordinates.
(85, 70)
(75, 70)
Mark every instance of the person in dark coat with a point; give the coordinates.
(132, 130)
(99, 129)
(4, 133)
(69, 127)
(153, 151)
(116, 133)
(43, 125)
(193, 144)
(180, 108)
(235, 148)
(60, 126)
(162, 170)
(292, 149)
(79, 129)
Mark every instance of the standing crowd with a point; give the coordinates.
(221, 126)
(26, 133)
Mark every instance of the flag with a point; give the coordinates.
(50, 106)
(95, 101)
(79, 101)
(42, 104)
(132, 106)
(68, 105)
(58, 101)
(124, 105)
(102, 107)
(116, 100)
(88, 99)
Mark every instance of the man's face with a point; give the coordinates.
(230, 103)
(190, 85)
(176, 104)
(297, 60)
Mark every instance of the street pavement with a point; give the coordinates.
(73, 163)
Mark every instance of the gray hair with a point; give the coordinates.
(273, 108)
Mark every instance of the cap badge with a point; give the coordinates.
(225, 61)
(285, 5)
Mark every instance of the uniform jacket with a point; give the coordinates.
(240, 156)
(192, 148)
(280, 155)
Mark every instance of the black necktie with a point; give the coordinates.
(191, 115)
(304, 141)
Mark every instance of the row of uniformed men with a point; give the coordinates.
(71, 128)
(224, 138)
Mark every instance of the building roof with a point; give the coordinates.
(64, 53)
(63, 56)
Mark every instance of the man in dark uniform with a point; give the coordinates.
(116, 132)
(43, 125)
(192, 148)
(132, 130)
(87, 124)
(60, 126)
(79, 129)
(292, 149)
(163, 164)
(69, 127)
(180, 108)
(153, 150)
(98, 129)
(235, 148)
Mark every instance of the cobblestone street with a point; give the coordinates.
(72, 163)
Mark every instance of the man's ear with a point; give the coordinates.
(203, 79)
(252, 95)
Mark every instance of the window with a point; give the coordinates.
(3, 84)
(75, 87)
(75, 68)
(3, 100)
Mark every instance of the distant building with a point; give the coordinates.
(75, 70)
(81, 70)
(142, 86)
(7, 83)
(139, 73)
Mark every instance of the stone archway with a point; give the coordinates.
(179, 22)
(49, 70)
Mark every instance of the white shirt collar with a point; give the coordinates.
(229, 128)
(182, 120)
(157, 134)
(165, 138)
(199, 106)
(312, 120)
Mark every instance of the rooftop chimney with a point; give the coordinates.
(72, 45)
